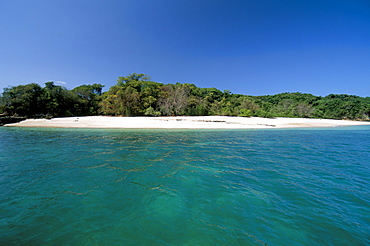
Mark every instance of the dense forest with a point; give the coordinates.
(137, 95)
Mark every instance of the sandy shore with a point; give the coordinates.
(183, 122)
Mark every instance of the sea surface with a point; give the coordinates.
(185, 187)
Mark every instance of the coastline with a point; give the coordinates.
(183, 122)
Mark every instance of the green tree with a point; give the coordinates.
(90, 98)
(58, 101)
(2, 105)
(132, 95)
(23, 100)
(135, 94)
(132, 78)
(341, 106)
(247, 107)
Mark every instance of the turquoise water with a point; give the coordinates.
(185, 187)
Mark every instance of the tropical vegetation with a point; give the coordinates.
(137, 95)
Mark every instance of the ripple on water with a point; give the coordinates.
(184, 187)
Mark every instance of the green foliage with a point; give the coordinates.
(342, 107)
(247, 107)
(134, 77)
(57, 100)
(245, 112)
(32, 100)
(132, 95)
(136, 95)
(89, 98)
(2, 104)
(151, 112)
(23, 100)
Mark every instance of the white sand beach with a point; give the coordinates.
(183, 122)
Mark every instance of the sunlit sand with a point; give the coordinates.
(183, 122)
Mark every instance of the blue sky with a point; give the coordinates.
(253, 47)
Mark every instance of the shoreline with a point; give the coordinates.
(183, 122)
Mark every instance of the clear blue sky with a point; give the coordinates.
(253, 47)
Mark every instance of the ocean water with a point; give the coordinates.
(185, 187)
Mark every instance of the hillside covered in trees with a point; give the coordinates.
(137, 95)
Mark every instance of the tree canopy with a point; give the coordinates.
(137, 95)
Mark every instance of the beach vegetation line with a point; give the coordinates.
(137, 95)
